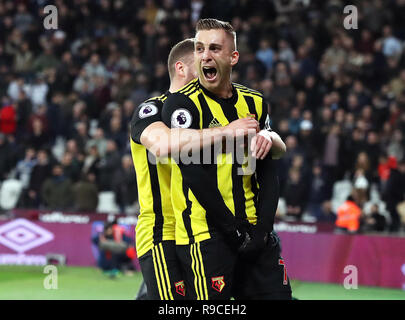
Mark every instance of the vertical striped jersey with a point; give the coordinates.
(156, 221)
(195, 107)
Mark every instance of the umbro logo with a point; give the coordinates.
(22, 235)
(214, 123)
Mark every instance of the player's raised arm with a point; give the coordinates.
(162, 141)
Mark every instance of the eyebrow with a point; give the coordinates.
(216, 45)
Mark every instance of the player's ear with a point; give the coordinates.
(179, 68)
(234, 58)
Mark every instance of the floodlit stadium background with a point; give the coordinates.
(333, 72)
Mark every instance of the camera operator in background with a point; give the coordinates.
(116, 250)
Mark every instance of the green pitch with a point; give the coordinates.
(21, 282)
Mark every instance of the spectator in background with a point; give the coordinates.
(331, 155)
(38, 91)
(128, 108)
(118, 133)
(23, 110)
(85, 193)
(285, 53)
(116, 250)
(366, 43)
(396, 145)
(46, 60)
(395, 194)
(79, 114)
(24, 167)
(71, 166)
(283, 94)
(392, 47)
(39, 115)
(38, 138)
(385, 164)
(373, 149)
(307, 140)
(101, 95)
(318, 192)
(362, 166)
(40, 172)
(8, 119)
(295, 195)
(57, 190)
(140, 91)
(23, 59)
(95, 68)
(99, 141)
(73, 147)
(23, 19)
(91, 160)
(5, 151)
(107, 165)
(295, 121)
(333, 59)
(326, 213)
(286, 161)
(81, 134)
(265, 54)
(348, 216)
(374, 220)
(124, 184)
(361, 187)
(304, 167)
(397, 85)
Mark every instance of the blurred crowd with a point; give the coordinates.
(337, 96)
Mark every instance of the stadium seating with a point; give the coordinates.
(107, 203)
(10, 191)
(341, 190)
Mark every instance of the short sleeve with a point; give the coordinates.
(265, 121)
(179, 111)
(145, 114)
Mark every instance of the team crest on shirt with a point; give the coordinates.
(180, 288)
(147, 110)
(181, 118)
(218, 283)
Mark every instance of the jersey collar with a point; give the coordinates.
(232, 100)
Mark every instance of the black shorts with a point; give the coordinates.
(208, 268)
(265, 278)
(162, 273)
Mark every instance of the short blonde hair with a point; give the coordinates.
(210, 23)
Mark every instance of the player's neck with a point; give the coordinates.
(224, 91)
(176, 84)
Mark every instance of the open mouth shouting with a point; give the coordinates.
(210, 73)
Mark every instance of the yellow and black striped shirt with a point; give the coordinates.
(156, 221)
(195, 107)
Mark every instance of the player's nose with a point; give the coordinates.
(206, 56)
